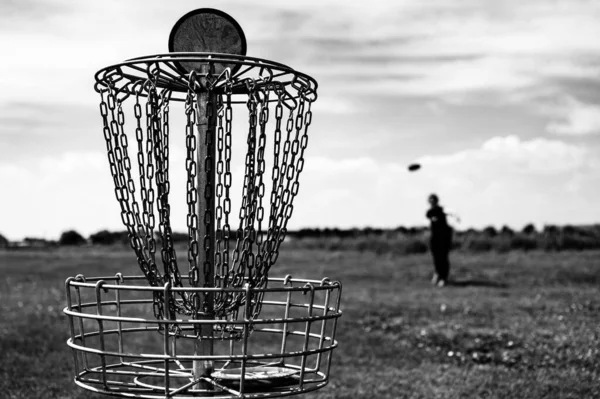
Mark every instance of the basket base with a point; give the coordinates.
(257, 373)
(149, 379)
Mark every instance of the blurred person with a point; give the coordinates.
(440, 241)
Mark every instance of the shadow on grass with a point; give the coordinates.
(477, 283)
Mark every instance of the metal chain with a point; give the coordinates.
(256, 249)
(150, 172)
(303, 121)
(259, 183)
(144, 228)
(289, 172)
(220, 166)
(224, 301)
(155, 277)
(115, 140)
(208, 244)
(237, 260)
(208, 190)
(275, 177)
(278, 197)
(192, 190)
(261, 267)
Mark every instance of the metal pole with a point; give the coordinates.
(206, 231)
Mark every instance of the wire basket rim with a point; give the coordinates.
(179, 84)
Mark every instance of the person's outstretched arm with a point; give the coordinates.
(453, 215)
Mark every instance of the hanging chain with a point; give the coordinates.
(209, 198)
(248, 208)
(220, 165)
(259, 183)
(260, 268)
(191, 141)
(192, 190)
(258, 236)
(120, 165)
(224, 300)
(271, 247)
(227, 182)
(150, 172)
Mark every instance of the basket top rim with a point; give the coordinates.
(287, 284)
(166, 69)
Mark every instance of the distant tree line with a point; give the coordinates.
(401, 240)
(404, 240)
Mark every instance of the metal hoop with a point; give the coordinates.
(116, 348)
(270, 75)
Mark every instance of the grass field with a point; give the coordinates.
(512, 325)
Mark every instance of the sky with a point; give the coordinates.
(498, 101)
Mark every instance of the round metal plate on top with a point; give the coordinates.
(207, 30)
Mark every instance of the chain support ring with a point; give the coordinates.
(163, 69)
(120, 348)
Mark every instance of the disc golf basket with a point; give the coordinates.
(225, 328)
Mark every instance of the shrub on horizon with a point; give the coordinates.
(490, 231)
(4, 243)
(523, 242)
(105, 237)
(529, 229)
(71, 237)
(507, 231)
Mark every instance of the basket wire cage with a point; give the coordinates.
(120, 348)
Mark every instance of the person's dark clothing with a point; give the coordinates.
(440, 241)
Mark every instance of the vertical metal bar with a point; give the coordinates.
(247, 316)
(119, 280)
(206, 228)
(71, 324)
(306, 334)
(174, 347)
(284, 329)
(166, 316)
(335, 320)
(323, 324)
(99, 285)
(81, 330)
(231, 342)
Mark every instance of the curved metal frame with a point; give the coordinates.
(111, 321)
(128, 76)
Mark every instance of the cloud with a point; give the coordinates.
(55, 192)
(505, 180)
(42, 118)
(403, 48)
(28, 10)
(454, 52)
(577, 118)
(71, 161)
(509, 153)
(330, 104)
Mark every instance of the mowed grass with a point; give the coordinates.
(513, 325)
